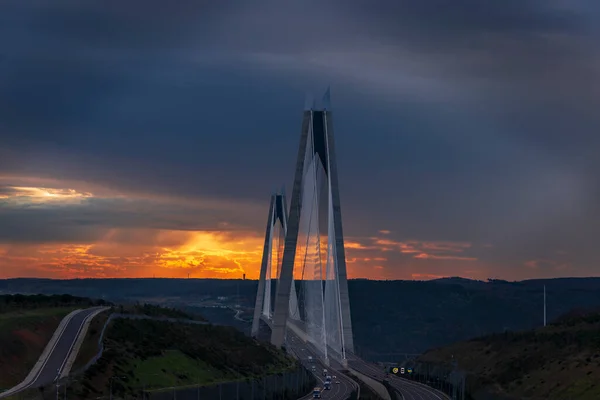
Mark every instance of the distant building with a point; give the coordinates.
(244, 277)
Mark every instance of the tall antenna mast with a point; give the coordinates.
(544, 305)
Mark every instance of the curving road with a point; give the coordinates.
(302, 350)
(408, 389)
(53, 364)
(58, 357)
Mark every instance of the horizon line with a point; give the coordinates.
(487, 280)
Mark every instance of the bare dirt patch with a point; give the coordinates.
(23, 337)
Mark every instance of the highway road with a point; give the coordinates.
(58, 357)
(302, 350)
(409, 390)
(59, 353)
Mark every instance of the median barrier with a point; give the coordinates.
(377, 387)
(79, 341)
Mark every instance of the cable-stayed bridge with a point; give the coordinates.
(303, 287)
(304, 252)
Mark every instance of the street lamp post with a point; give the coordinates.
(144, 385)
(111, 381)
(66, 383)
(57, 380)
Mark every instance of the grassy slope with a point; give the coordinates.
(158, 311)
(89, 347)
(412, 317)
(23, 336)
(557, 362)
(159, 354)
(27, 322)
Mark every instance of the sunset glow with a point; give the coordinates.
(139, 252)
(128, 235)
(155, 154)
(38, 195)
(203, 254)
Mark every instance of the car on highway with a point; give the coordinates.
(316, 393)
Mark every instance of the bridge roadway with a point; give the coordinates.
(339, 391)
(408, 389)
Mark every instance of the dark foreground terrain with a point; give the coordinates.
(26, 325)
(560, 361)
(389, 318)
(145, 350)
(150, 354)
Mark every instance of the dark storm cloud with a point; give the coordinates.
(445, 20)
(63, 60)
(90, 219)
(473, 120)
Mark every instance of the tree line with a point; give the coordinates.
(15, 302)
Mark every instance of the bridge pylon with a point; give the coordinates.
(271, 262)
(314, 243)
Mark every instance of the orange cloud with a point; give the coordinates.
(423, 277)
(531, 263)
(421, 249)
(393, 258)
(19, 195)
(349, 244)
(28, 189)
(425, 256)
(108, 234)
(547, 264)
(201, 254)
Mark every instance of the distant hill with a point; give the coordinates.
(560, 361)
(389, 318)
(410, 316)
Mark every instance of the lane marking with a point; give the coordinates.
(32, 380)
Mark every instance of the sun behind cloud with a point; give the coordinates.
(73, 230)
(200, 254)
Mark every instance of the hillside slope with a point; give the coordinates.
(560, 361)
(26, 325)
(403, 316)
(148, 354)
(411, 317)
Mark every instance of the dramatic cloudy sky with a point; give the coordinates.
(139, 138)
